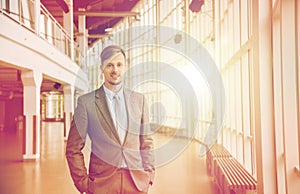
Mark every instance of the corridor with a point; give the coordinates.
(186, 174)
(225, 73)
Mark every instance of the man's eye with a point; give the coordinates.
(120, 64)
(109, 65)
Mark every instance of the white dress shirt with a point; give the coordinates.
(111, 106)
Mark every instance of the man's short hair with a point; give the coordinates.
(110, 51)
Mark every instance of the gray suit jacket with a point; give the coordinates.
(92, 117)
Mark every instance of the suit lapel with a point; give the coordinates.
(100, 100)
(129, 101)
(128, 108)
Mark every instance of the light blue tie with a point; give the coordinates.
(120, 113)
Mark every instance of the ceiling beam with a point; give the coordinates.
(63, 5)
(92, 35)
(97, 35)
(107, 13)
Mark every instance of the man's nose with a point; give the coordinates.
(115, 68)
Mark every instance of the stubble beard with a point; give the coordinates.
(115, 83)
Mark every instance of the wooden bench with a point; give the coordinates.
(216, 151)
(229, 175)
(232, 177)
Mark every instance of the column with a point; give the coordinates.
(262, 95)
(37, 11)
(69, 26)
(82, 38)
(289, 93)
(32, 81)
(217, 45)
(68, 107)
(2, 115)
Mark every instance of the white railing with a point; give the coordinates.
(23, 12)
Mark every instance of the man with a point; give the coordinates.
(117, 122)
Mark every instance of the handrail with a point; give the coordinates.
(55, 21)
(16, 14)
(58, 36)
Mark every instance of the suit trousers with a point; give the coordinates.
(120, 183)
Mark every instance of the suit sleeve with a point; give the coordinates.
(75, 144)
(146, 142)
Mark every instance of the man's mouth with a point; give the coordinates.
(115, 76)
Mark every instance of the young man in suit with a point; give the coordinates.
(117, 122)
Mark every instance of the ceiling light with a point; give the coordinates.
(57, 85)
(108, 29)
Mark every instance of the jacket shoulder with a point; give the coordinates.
(133, 93)
(88, 96)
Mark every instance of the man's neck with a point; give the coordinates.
(114, 88)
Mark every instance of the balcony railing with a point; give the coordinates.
(23, 12)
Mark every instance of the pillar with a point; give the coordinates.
(262, 94)
(32, 81)
(2, 115)
(217, 54)
(37, 11)
(69, 26)
(289, 67)
(82, 38)
(68, 108)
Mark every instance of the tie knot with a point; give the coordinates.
(116, 97)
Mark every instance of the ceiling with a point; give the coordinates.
(11, 84)
(10, 78)
(94, 24)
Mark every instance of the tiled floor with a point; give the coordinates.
(184, 175)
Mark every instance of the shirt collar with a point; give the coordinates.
(110, 94)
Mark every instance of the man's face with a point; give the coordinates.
(114, 69)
